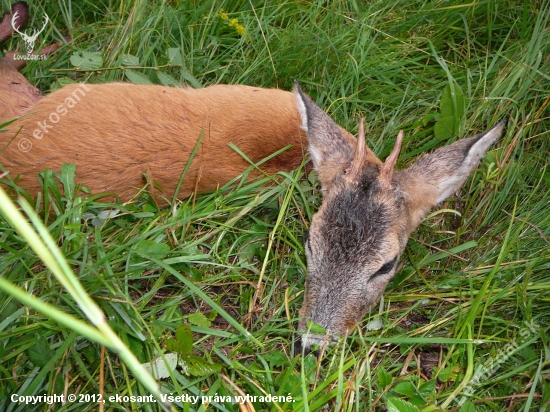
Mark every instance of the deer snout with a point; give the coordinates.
(326, 316)
(320, 329)
(300, 348)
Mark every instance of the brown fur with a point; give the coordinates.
(117, 132)
(17, 95)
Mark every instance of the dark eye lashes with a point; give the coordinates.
(387, 267)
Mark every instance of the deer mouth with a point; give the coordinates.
(309, 342)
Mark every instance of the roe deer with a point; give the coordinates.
(367, 214)
(115, 133)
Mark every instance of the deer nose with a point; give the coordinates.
(300, 349)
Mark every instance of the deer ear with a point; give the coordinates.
(439, 174)
(330, 150)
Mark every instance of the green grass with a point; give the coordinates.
(219, 278)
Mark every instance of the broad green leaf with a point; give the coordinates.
(452, 108)
(445, 127)
(67, 178)
(468, 407)
(198, 319)
(60, 82)
(276, 358)
(452, 102)
(167, 79)
(129, 60)
(399, 405)
(40, 353)
(251, 247)
(310, 367)
(183, 342)
(427, 389)
(417, 400)
(384, 378)
(196, 366)
(86, 60)
(316, 329)
(445, 374)
(189, 78)
(174, 55)
(405, 388)
(153, 249)
(184, 337)
(172, 345)
(137, 77)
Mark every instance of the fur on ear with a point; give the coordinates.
(436, 176)
(330, 150)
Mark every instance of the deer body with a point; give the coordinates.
(114, 133)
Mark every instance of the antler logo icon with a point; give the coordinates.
(29, 40)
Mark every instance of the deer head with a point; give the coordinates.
(369, 209)
(29, 40)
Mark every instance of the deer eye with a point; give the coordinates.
(386, 267)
